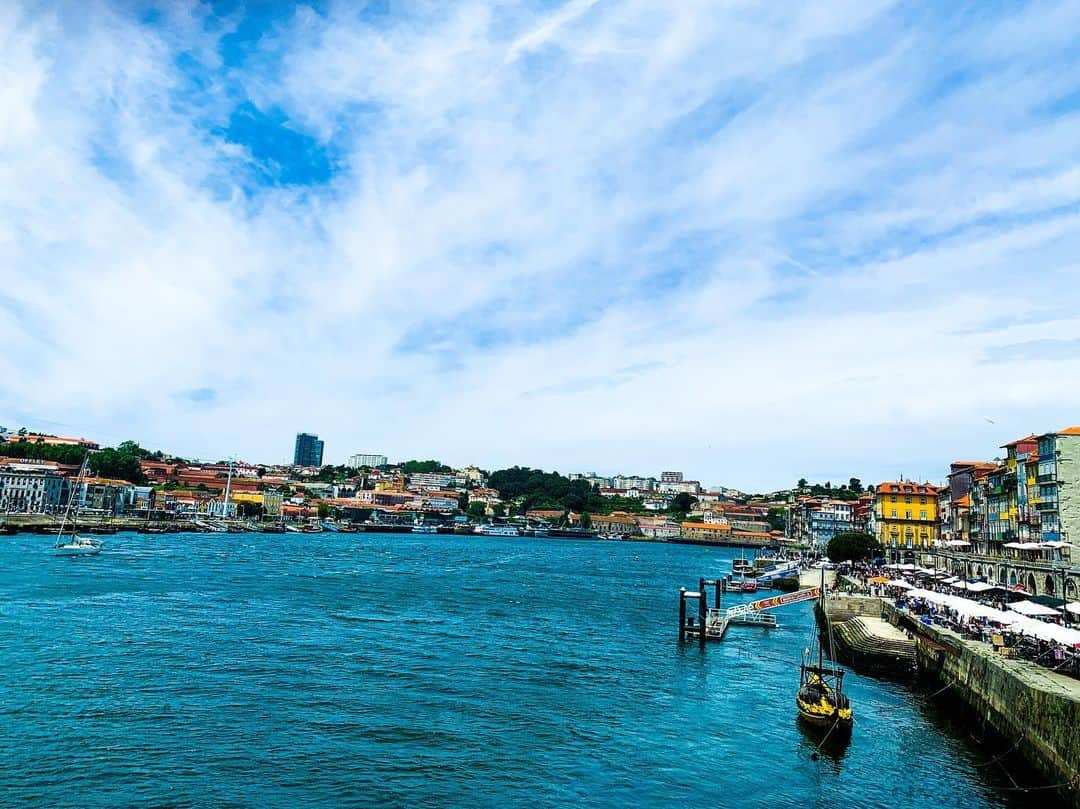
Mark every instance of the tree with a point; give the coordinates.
(499, 510)
(777, 518)
(463, 501)
(429, 467)
(586, 520)
(477, 510)
(682, 502)
(855, 485)
(802, 483)
(133, 449)
(250, 509)
(853, 546)
(325, 511)
(121, 464)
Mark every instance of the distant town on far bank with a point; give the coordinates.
(1024, 496)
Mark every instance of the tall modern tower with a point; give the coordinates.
(308, 450)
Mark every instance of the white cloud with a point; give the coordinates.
(754, 243)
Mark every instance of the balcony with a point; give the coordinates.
(1049, 477)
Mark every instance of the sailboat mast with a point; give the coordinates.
(228, 488)
(71, 499)
(825, 615)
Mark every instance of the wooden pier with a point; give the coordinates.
(711, 624)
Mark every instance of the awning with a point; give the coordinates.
(1074, 607)
(878, 579)
(973, 586)
(1030, 608)
(965, 607)
(1045, 631)
(903, 585)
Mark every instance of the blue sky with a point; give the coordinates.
(754, 242)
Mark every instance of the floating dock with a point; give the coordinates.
(711, 624)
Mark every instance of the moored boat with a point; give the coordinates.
(742, 585)
(497, 531)
(820, 699)
(74, 544)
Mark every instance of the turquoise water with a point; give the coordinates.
(290, 670)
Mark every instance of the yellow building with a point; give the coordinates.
(906, 516)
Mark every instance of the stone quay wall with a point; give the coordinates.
(1029, 706)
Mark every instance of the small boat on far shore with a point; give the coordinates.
(73, 544)
(497, 531)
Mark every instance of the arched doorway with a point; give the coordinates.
(1072, 590)
(1049, 588)
(1001, 576)
(1031, 586)
(1012, 579)
(978, 571)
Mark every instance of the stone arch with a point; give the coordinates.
(1002, 575)
(1049, 586)
(1031, 584)
(1012, 579)
(1072, 589)
(978, 571)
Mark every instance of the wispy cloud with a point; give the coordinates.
(751, 241)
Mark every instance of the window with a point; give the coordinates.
(907, 515)
(907, 498)
(922, 514)
(922, 500)
(894, 514)
(892, 498)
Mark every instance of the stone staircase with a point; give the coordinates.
(875, 641)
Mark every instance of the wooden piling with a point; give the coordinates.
(703, 613)
(682, 613)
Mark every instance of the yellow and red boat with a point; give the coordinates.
(821, 699)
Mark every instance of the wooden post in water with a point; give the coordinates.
(682, 613)
(721, 586)
(703, 612)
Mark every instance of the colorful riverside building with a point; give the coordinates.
(906, 517)
(1058, 481)
(1008, 495)
(816, 520)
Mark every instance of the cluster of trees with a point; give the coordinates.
(845, 491)
(853, 546)
(425, 467)
(777, 518)
(121, 462)
(42, 452)
(549, 490)
(546, 490)
(334, 474)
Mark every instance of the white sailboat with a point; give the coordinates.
(73, 544)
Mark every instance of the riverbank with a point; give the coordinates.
(1032, 708)
(48, 523)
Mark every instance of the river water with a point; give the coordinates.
(352, 669)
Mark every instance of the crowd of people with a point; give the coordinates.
(984, 615)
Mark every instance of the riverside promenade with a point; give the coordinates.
(1035, 710)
